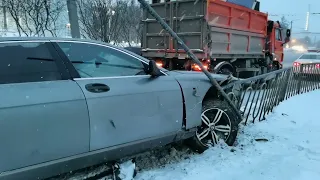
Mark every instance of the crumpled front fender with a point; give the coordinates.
(194, 88)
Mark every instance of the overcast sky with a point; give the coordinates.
(293, 10)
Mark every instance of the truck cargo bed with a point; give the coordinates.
(212, 29)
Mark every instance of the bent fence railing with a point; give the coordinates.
(257, 96)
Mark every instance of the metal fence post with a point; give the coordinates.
(73, 18)
(300, 79)
(285, 86)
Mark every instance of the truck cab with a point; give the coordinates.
(276, 39)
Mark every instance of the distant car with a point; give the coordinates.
(307, 64)
(68, 104)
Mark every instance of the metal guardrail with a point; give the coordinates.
(257, 96)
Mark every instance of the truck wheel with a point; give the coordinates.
(225, 71)
(219, 122)
(268, 61)
(276, 66)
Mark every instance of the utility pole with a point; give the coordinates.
(291, 22)
(4, 11)
(73, 18)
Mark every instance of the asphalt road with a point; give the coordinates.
(289, 58)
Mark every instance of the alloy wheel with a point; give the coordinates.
(216, 125)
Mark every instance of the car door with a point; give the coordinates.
(124, 103)
(43, 114)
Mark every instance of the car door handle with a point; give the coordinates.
(97, 88)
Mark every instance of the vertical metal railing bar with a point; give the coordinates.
(262, 92)
(265, 95)
(277, 92)
(285, 85)
(282, 87)
(255, 97)
(255, 85)
(269, 95)
(299, 79)
(291, 83)
(273, 96)
(246, 114)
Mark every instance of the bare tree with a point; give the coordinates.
(35, 17)
(95, 16)
(131, 15)
(109, 20)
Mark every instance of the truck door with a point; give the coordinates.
(278, 46)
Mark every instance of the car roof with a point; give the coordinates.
(3, 39)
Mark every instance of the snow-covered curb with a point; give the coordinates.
(285, 147)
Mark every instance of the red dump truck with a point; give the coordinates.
(226, 37)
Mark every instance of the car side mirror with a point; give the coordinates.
(153, 69)
(288, 33)
(287, 38)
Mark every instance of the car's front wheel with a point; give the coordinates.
(218, 122)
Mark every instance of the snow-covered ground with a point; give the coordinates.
(284, 147)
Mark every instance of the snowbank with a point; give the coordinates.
(285, 147)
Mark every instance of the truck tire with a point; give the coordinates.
(225, 71)
(268, 61)
(218, 122)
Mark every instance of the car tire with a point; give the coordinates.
(228, 123)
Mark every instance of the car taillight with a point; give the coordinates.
(296, 64)
(317, 65)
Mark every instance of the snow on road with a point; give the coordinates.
(285, 147)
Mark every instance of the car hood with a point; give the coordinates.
(198, 75)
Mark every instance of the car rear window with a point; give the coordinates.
(310, 56)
